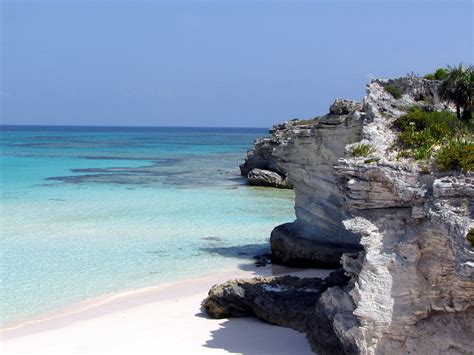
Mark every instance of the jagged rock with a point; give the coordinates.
(283, 300)
(260, 177)
(308, 154)
(260, 157)
(413, 285)
(305, 155)
(344, 107)
(289, 248)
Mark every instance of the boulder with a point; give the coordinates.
(291, 247)
(283, 300)
(260, 177)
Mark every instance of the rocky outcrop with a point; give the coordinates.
(302, 154)
(285, 300)
(260, 177)
(308, 152)
(291, 247)
(411, 283)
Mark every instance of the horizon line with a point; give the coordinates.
(120, 126)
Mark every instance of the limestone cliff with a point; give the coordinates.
(401, 233)
(306, 151)
(412, 287)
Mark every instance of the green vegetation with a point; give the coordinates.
(439, 74)
(421, 130)
(306, 122)
(470, 237)
(456, 155)
(393, 90)
(424, 134)
(458, 88)
(362, 150)
(425, 169)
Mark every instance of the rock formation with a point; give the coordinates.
(410, 286)
(306, 151)
(259, 177)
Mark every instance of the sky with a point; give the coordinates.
(213, 63)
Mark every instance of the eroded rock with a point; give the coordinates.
(283, 300)
(260, 177)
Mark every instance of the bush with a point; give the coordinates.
(394, 91)
(421, 130)
(439, 74)
(362, 150)
(457, 155)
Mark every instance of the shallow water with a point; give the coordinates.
(89, 211)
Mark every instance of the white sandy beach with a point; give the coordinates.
(162, 319)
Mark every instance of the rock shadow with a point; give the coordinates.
(250, 336)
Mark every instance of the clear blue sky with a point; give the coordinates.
(213, 63)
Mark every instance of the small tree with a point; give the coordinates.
(458, 88)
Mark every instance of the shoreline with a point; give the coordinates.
(97, 301)
(150, 309)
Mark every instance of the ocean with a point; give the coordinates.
(89, 211)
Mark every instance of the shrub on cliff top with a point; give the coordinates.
(421, 131)
(306, 122)
(362, 150)
(439, 74)
(394, 91)
(456, 155)
(458, 88)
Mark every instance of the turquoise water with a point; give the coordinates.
(89, 211)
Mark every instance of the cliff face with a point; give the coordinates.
(401, 232)
(306, 151)
(412, 287)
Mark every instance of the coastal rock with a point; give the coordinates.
(291, 248)
(283, 300)
(260, 177)
(400, 236)
(308, 153)
(261, 157)
(344, 107)
(412, 287)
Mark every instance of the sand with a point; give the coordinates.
(163, 319)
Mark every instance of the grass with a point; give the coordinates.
(425, 169)
(470, 237)
(424, 134)
(306, 122)
(393, 90)
(421, 131)
(362, 150)
(456, 155)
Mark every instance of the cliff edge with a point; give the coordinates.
(399, 231)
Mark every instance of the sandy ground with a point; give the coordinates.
(163, 319)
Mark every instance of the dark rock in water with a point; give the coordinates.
(215, 239)
(290, 247)
(260, 177)
(283, 300)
